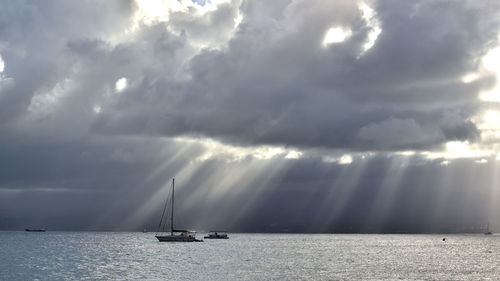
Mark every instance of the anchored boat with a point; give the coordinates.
(34, 230)
(217, 234)
(488, 231)
(175, 234)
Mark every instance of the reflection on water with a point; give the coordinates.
(89, 255)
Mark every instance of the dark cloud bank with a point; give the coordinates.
(76, 154)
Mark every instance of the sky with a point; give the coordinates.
(273, 116)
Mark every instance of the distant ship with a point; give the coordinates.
(34, 230)
(217, 234)
(175, 234)
(488, 232)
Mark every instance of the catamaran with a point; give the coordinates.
(176, 235)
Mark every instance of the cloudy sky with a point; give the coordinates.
(282, 116)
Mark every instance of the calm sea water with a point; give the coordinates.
(138, 256)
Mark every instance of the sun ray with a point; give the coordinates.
(339, 195)
(387, 192)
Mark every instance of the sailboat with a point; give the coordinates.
(176, 235)
(488, 231)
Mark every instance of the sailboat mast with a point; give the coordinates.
(172, 217)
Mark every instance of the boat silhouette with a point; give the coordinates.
(176, 235)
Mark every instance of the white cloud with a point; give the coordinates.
(470, 77)
(121, 84)
(345, 159)
(491, 62)
(482, 161)
(460, 149)
(151, 11)
(293, 155)
(336, 35)
(370, 17)
(444, 163)
(214, 149)
(210, 25)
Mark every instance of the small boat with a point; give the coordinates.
(217, 234)
(488, 231)
(175, 234)
(34, 230)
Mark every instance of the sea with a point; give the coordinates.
(139, 256)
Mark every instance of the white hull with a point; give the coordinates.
(176, 238)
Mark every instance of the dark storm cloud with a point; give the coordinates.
(274, 84)
(77, 153)
(33, 36)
